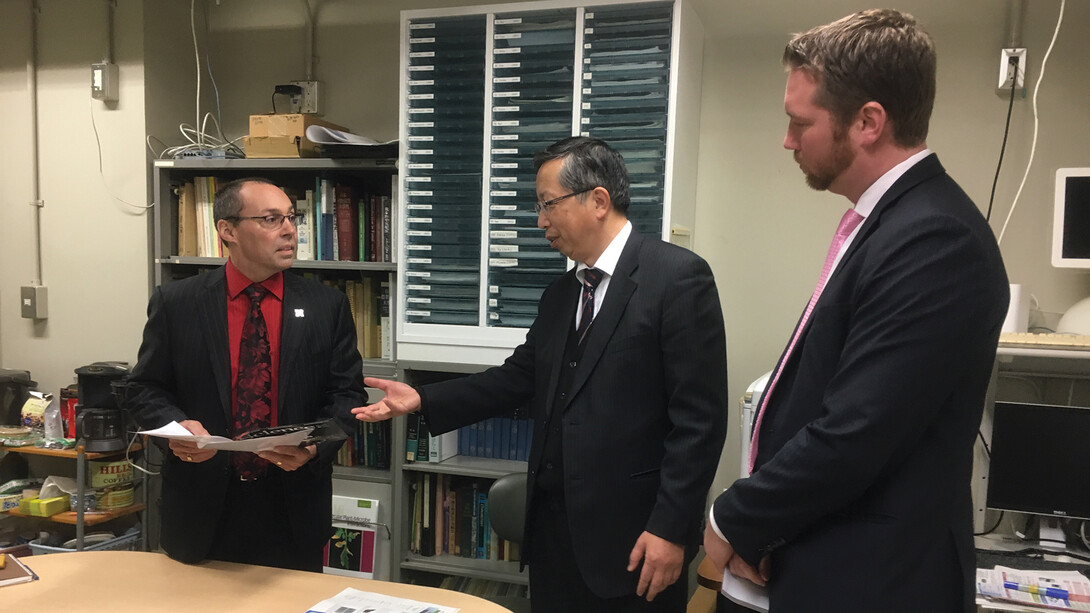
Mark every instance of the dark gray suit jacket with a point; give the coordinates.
(861, 485)
(645, 419)
(183, 372)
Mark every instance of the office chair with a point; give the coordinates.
(507, 506)
(507, 512)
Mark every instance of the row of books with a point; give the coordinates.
(450, 516)
(341, 223)
(484, 588)
(499, 438)
(369, 446)
(197, 235)
(369, 301)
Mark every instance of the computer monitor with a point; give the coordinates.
(1071, 238)
(1071, 219)
(1039, 456)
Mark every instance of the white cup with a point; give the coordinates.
(1018, 312)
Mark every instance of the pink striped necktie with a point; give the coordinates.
(848, 223)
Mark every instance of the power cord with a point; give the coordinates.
(1036, 122)
(1006, 132)
(101, 174)
(133, 464)
(285, 90)
(199, 142)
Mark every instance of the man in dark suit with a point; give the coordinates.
(220, 351)
(628, 410)
(859, 497)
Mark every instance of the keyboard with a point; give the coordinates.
(1052, 340)
(1031, 559)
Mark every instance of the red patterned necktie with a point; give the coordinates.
(254, 385)
(848, 223)
(591, 278)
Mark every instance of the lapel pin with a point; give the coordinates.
(298, 312)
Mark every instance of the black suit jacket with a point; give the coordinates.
(861, 485)
(183, 372)
(645, 419)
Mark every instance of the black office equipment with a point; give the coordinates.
(1039, 455)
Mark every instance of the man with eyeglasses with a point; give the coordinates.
(237, 348)
(625, 374)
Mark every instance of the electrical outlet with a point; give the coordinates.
(104, 81)
(307, 102)
(1012, 68)
(34, 301)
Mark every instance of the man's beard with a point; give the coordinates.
(840, 158)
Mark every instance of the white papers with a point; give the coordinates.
(355, 601)
(745, 592)
(1061, 590)
(176, 431)
(328, 136)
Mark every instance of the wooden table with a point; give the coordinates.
(118, 581)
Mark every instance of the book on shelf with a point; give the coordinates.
(427, 515)
(351, 550)
(412, 424)
(304, 228)
(187, 220)
(501, 438)
(325, 224)
(346, 210)
(386, 332)
(422, 439)
(368, 447)
(443, 446)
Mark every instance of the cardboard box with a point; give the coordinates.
(44, 507)
(283, 136)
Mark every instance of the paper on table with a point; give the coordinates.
(745, 592)
(176, 431)
(328, 136)
(354, 601)
(1059, 590)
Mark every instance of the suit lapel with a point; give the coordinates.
(212, 313)
(291, 335)
(922, 171)
(621, 288)
(555, 335)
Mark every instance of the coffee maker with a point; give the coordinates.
(100, 422)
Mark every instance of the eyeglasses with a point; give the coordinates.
(271, 222)
(543, 207)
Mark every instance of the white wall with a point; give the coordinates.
(93, 226)
(765, 233)
(761, 229)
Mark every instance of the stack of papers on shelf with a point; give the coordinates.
(355, 601)
(1059, 590)
(340, 143)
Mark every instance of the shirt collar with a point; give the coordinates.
(237, 283)
(607, 262)
(874, 193)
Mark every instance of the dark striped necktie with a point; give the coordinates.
(591, 278)
(254, 384)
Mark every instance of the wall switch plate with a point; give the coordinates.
(1012, 73)
(307, 102)
(34, 301)
(104, 76)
